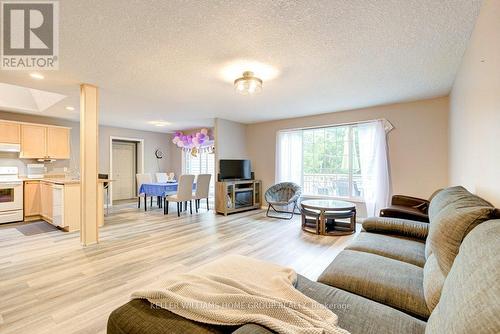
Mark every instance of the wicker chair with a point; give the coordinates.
(282, 194)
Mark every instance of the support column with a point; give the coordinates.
(89, 153)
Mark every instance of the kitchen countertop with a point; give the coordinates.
(61, 180)
(53, 180)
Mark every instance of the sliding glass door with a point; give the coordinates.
(203, 163)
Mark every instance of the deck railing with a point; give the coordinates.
(334, 185)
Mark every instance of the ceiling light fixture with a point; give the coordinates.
(159, 123)
(248, 84)
(37, 76)
(231, 70)
(70, 108)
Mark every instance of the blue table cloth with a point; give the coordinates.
(159, 189)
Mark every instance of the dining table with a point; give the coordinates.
(159, 190)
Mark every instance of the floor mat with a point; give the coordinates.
(36, 228)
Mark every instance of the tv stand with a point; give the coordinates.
(233, 196)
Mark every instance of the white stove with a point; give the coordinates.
(11, 195)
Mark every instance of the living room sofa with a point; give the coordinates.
(398, 276)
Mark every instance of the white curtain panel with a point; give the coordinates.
(289, 157)
(374, 165)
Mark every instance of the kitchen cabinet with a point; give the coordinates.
(10, 133)
(58, 143)
(56, 203)
(66, 206)
(46, 201)
(44, 142)
(32, 204)
(33, 141)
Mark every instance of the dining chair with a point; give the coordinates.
(202, 189)
(184, 194)
(105, 185)
(161, 177)
(141, 179)
(171, 176)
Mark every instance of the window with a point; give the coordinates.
(324, 161)
(203, 163)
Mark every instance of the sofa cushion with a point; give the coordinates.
(433, 282)
(398, 226)
(453, 194)
(391, 282)
(139, 317)
(470, 300)
(356, 314)
(449, 228)
(359, 315)
(402, 249)
(452, 198)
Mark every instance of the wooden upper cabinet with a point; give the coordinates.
(58, 143)
(10, 133)
(44, 142)
(33, 141)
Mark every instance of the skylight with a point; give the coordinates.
(18, 98)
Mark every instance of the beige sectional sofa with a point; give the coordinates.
(398, 276)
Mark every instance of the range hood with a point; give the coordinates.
(6, 147)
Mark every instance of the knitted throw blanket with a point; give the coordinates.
(237, 290)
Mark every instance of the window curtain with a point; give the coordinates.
(289, 157)
(374, 165)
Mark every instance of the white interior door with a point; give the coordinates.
(124, 170)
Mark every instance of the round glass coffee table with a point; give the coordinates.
(321, 216)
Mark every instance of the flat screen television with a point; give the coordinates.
(235, 169)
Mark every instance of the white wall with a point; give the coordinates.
(418, 145)
(230, 141)
(175, 158)
(475, 110)
(152, 141)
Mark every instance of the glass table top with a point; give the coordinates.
(325, 204)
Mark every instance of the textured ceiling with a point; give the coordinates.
(165, 60)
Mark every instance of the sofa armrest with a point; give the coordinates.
(415, 202)
(405, 212)
(403, 227)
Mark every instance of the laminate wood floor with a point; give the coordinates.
(50, 284)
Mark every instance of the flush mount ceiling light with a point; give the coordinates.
(248, 84)
(70, 108)
(231, 70)
(159, 123)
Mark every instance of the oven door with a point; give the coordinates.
(11, 196)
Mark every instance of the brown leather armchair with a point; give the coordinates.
(407, 207)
